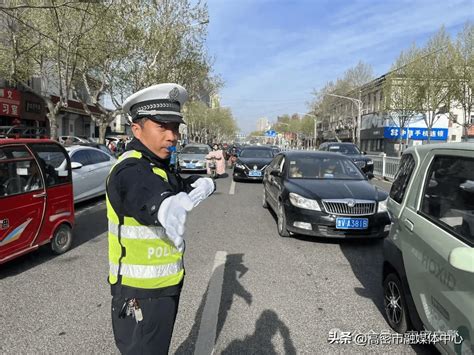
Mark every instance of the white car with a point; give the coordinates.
(74, 140)
(90, 168)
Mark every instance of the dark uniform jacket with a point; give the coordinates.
(134, 190)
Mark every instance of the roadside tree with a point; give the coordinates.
(463, 90)
(399, 91)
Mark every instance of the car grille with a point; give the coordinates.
(348, 207)
(192, 161)
(250, 167)
(360, 163)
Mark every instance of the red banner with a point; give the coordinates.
(9, 102)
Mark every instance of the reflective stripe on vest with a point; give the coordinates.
(150, 259)
(137, 232)
(147, 271)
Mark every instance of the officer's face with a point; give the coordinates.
(157, 137)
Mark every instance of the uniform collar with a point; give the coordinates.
(135, 144)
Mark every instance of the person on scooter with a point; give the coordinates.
(216, 153)
(233, 152)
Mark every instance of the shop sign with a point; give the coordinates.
(9, 102)
(415, 133)
(34, 107)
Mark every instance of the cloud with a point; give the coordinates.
(272, 54)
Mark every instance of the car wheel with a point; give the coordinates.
(264, 198)
(282, 222)
(394, 304)
(62, 239)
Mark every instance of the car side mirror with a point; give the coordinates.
(364, 153)
(461, 258)
(275, 172)
(76, 165)
(370, 175)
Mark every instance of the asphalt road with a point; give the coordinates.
(268, 294)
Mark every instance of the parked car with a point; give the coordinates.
(71, 140)
(352, 151)
(193, 157)
(23, 132)
(428, 269)
(325, 195)
(36, 197)
(251, 162)
(102, 147)
(90, 168)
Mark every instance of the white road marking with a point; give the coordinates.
(232, 188)
(85, 209)
(207, 329)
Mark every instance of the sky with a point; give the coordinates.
(273, 54)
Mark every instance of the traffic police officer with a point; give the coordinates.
(146, 209)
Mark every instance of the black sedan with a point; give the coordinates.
(251, 162)
(351, 151)
(325, 195)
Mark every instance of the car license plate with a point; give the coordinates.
(190, 166)
(255, 173)
(352, 223)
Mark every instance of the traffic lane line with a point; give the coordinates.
(207, 329)
(232, 188)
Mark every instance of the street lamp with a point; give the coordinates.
(359, 112)
(315, 128)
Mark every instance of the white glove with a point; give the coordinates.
(172, 216)
(203, 187)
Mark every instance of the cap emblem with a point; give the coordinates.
(174, 94)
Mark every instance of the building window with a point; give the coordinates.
(453, 137)
(472, 119)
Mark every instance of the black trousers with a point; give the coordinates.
(153, 334)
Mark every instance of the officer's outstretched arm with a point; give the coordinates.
(172, 216)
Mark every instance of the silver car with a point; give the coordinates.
(90, 168)
(193, 157)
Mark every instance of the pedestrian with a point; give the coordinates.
(112, 146)
(173, 158)
(147, 206)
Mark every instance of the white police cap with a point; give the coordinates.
(161, 103)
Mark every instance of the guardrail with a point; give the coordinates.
(385, 167)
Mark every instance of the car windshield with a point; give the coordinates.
(323, 168)
(256, 153)
(195, 150)
(344, 149)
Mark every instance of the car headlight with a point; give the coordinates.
(369, 162)
(383, 205)
(181, 162)
(303, 202)
(240, 166)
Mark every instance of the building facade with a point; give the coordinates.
(263, 124)
(380, 131)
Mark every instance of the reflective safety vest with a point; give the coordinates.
(142, 254)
